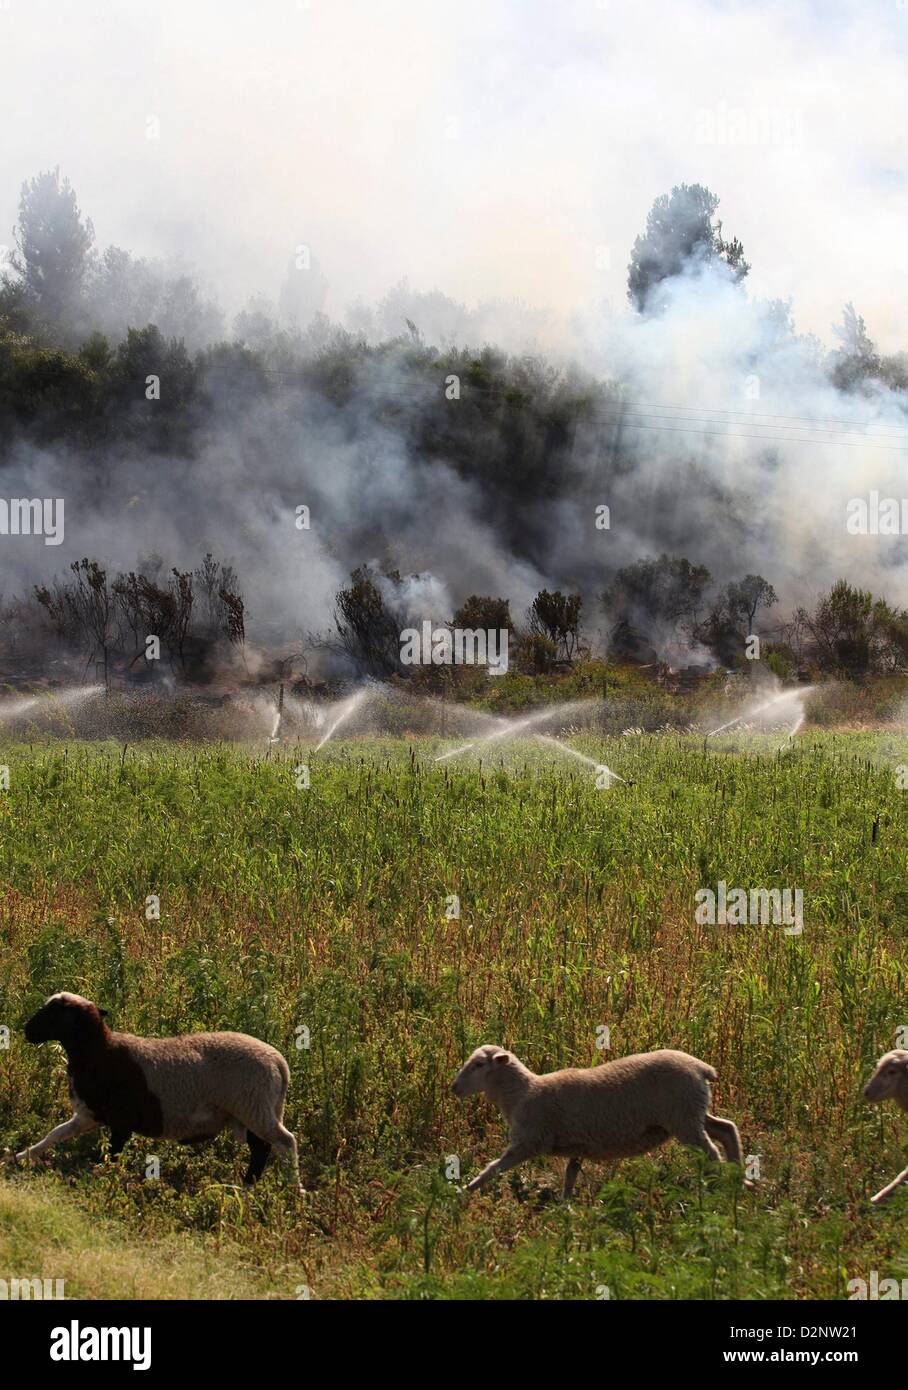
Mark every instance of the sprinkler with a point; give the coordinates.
(347, 708)
(752, 713)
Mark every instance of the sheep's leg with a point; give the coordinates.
(79, 1124)
(285, 1144)
(512, 1155)
(888, 1190)
(727, 1134)
(119, 1138)
(697, 1138)
(571, 1172)
(258, 1157)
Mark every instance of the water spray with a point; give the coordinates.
(511, 727)
(752, 713)
(506, 729)
(276, 727)
(581, 757)
(14, 708)
(347, 708)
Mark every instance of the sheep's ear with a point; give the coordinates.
(501, 1057)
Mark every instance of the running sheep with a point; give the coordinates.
(890, 1082)
(622, 1108)
(186, 1088)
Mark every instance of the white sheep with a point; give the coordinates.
(625, 1107)
(890, 1082)
(186, 1088)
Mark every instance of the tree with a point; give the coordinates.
(749, 595)
(83, 609)
(649, 601)
(214, 580)
(158, 610)
(666, 591)
(851, 632)
(730, 620)
(147, 606)
(480, 612)
(48, 390)
(144, 354)
(680, 231)
(53, 249)
(857, 359)
(557, 617)
(234, 616)
(125, 291)
(368, 633)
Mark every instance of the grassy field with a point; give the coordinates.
(285, 908)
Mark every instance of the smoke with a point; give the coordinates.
(744, 453)
(718, 436)
(309, 158)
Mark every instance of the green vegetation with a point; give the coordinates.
(44, 1227)
(325, 909)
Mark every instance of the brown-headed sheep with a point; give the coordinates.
(185, 1088)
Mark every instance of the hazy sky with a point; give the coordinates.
(484, 148)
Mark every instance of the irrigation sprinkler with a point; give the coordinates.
(752, 713)
(347, 708)
(510, 728)
(506, 728)
(581, 757)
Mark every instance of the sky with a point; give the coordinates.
(489, 149)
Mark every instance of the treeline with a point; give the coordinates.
(100, 346)
(183, 619)
(62, 376)
(647, 606)
(648, 612)
(99, 349)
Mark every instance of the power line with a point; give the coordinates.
(678, 420)
(695, 427)
(755, 415)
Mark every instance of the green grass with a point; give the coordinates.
(47, 1232)
(324, 909)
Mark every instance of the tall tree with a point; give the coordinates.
(856, 360)
(681, 230)
(53, 249)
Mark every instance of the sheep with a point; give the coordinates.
(185, 1088)
(890, 1082)
(625, 1107)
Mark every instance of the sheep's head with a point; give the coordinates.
(478, 1071)
(890, 1079)
(64, 1018)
